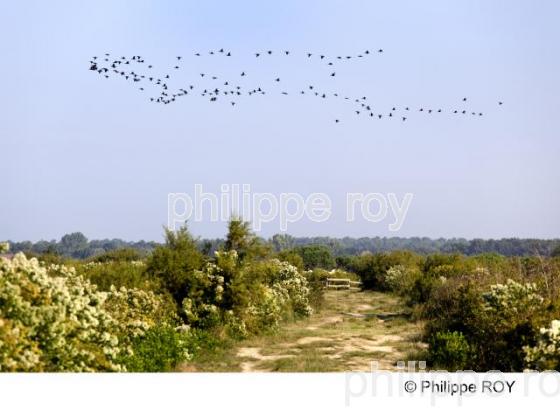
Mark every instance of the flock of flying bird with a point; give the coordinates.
(126, 67)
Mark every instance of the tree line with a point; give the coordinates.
(77, 245)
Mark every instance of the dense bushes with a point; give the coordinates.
(316, 256)
(372, 268)
(160, 348)
(483, 312)
(118, 274)
(174, 263)
(119, 313)
(246, 298)
(449, 351)
(52, 319)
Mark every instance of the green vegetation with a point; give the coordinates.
(119, 311)
(188, 303)
(482, 312)
(76, 245)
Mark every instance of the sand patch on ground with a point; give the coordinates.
(254, 353)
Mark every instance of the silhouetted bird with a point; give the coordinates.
(333, 74)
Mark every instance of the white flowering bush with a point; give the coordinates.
(52, 319)
(546, 354)
(202, 305)
(52, 323)
(399, 279)
(245, 298)
(135, 311)
(4, 247)
(266, 310)
(512, 301)
(291, 285)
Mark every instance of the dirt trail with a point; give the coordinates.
(348, 334)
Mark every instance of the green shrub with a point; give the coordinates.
(316, 256)
(173, 264)
(160, 349)
(118, 255)
(401, 279)
(128, 274)
(292, 257)
(497, 324)
(316, 287)
(372, 268)
(450, 351)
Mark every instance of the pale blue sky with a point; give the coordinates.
(79, 153)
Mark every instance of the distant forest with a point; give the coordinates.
(77, 245)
